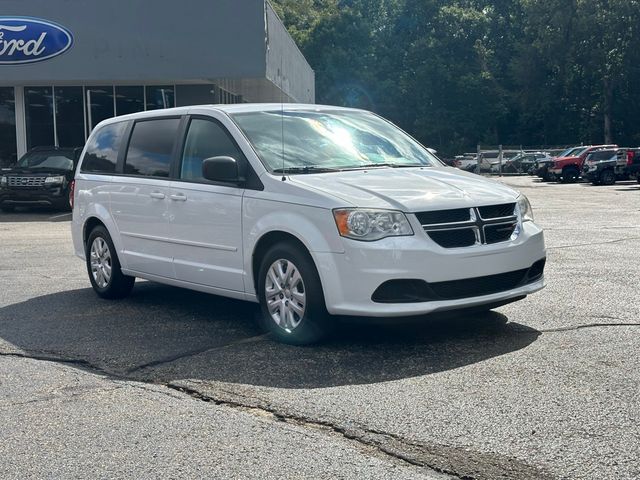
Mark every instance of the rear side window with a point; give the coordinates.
(102, 151)
(150, 147)
(205, 139)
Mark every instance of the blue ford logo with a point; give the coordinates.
(28, 40)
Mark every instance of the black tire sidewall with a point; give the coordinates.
(119, 285)
(315, 324)
(607, 181)
(570, 175)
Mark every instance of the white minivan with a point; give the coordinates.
(310, 211)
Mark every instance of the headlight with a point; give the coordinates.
(369, 225)
(526, 213)
(3, 181)
(54, 180)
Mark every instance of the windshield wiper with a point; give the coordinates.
(392, 165)
(306, 169)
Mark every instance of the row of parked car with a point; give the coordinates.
(598, 164)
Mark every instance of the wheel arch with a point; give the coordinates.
(268, 240)
(89, 224)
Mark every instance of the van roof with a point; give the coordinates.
(227, 108)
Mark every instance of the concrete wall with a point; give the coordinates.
(286, 66)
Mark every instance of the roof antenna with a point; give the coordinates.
(284, 177)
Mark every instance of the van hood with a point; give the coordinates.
(409, 189)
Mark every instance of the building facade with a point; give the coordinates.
(65, 65)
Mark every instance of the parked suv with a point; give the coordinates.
(567, 169)
(604, 167)
(633, 162)
(42, 177)
(310, 211)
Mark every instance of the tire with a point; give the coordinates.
(117, 285)
(296, 313)
(8, 209)
(570, 175)
(607, 177)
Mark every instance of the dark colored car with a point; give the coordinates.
(604, 167)
(543, 165)
(42, 177)
(633, 162)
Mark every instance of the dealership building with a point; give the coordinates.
(65, 65)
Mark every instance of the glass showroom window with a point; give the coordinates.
(160, 97)
(99, 105)
(129, 99)
(69, 116)
(8, 144)
(39, 116)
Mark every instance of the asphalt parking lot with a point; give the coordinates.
(182, 384)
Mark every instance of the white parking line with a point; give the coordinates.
(59, 216)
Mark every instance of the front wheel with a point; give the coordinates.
(607, 177)
(570, 175)
(291, 299)
(103, 266)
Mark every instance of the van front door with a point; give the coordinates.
(206, 218)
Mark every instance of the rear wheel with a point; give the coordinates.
(291, 299)
(607, 177)
(103, 266)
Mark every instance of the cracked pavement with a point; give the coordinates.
(181, 384)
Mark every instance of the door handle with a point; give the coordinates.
(178, 197)
(158, 195)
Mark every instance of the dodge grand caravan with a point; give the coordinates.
(309, 211)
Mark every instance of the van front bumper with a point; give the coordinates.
(352, 280)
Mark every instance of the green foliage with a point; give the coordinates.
(458, 72)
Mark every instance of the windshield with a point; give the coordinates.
(59, 160)
(309, 140)
(576, 152)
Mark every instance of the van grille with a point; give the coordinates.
(465, 227)
(25, 181)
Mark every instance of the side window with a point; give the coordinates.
(205, 139)
(102, 151)
(150, 147)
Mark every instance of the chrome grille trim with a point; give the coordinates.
(477, 225)
(14, 181)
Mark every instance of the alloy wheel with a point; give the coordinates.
(285, 294)
(101, 265)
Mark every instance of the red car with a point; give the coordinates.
(567, 169)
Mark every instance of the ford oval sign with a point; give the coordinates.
(28, 40)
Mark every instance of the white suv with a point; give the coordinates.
(310, 211)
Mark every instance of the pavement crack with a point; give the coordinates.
(82, 364)
(593, 243)
(449, 462)
(193, 353)
(589, 325)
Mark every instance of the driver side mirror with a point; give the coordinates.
(222, 169)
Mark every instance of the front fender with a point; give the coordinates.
(314, 227)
